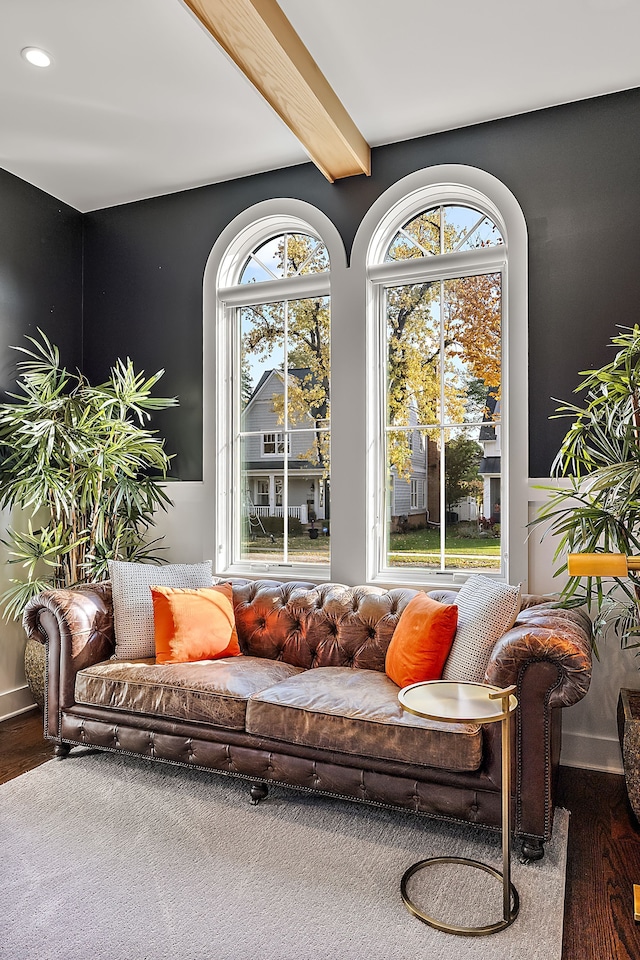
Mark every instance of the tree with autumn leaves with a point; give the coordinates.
(452, 324)
(308, 325)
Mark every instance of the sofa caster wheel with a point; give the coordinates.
(258, 792)
(532, 849)
(62, 750)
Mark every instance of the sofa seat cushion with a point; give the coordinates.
(207, 691)
(357, 712)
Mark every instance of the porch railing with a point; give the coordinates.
(298, 513)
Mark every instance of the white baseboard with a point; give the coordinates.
(13, 702)
(591, 753)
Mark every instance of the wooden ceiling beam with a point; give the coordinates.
(263, 44)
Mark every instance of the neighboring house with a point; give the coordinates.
(414, 500)
(490, 465)
(308, 488)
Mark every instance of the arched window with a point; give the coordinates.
(273, 395)
(447, 310)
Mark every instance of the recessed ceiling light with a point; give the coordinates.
(36, 56)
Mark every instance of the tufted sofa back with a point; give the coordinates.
(310, 625)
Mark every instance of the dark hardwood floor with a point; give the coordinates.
(603, 863)
(22, 745)
(603, 858)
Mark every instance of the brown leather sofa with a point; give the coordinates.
(309, 704)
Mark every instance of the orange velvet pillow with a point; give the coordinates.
(194, 624)
(421, 641)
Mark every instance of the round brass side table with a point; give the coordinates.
(461, 702)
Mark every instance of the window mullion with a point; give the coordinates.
(285, 458)
(273, 291)
(385, 483)
(233, 534)
(459, 264)
(442, 435)
(468, 234)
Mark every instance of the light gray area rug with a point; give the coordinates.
(104, 857)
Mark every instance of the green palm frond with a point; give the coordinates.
(598, 507)
(82, 457)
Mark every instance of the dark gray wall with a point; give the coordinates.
(575, 170)
(40, 273)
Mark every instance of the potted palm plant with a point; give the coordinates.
(597, 510)
(86, 473)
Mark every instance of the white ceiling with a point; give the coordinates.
(140, 101)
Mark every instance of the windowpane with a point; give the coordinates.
(413, 354)
(443, 229)
(472, 499)
(261, 361)
(464, 489)
(471, 312)
(284, 436)
(413, 533)
(286, 512)
(466, 229)
(305, 255)
(309, 362)
(258, 523)
(442, 448)
(287, 255)
(420, 237)
(265, 263)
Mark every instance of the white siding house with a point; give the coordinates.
(490, 465)
(415, 498)
(409, 494)
(266, 449)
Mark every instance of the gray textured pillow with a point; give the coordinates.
(132, 603)
(486, 610)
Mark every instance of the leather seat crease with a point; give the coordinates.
(209, 691)
(341, 709)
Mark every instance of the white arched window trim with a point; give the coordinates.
(451, 183)
(221, 292)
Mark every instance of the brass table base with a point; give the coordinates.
(510, 911)
(462, 702)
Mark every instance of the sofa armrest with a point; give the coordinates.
(546, 632)
(76, 624)
(547, 655)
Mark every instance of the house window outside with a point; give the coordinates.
(414, 494)
(416, 498)
(438, 288)
(273, 444)
(262, 493)
(278, 315)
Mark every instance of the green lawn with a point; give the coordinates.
(463, 546)
(301, 549)
(429, 540)
(416, 548)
